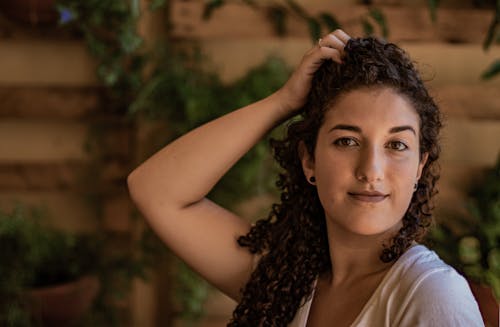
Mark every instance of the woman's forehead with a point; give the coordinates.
(369, 106)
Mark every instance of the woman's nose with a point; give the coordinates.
(370, 166)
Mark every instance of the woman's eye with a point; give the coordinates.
(398, 146)
(345, 141)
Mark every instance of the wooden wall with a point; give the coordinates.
(50, 115)
(50, 105)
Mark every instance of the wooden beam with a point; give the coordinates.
(35, 141)
(46, 62)
(478, 101)
(12, 29)
(48, 102)
(470, 142)
(66, 210)
(406, 23)
(440, 64)
(66, 175)
(41, 176)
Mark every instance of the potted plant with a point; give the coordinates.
(472, 244)
(47, 274)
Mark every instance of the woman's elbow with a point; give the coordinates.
(133, 185)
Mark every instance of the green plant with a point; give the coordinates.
(472, 244)
(34, 255)
(109, 29)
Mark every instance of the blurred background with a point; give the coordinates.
(90, 89)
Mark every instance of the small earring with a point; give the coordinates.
(415, 187)
(312, 179)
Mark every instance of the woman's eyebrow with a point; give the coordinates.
(351, 128)
(357, 129)
(398, 129)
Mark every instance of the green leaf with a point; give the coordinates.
(493, 280)
(494, 260)
(135, 8)
(314, 29)
(108, 74)
(278, 16)
(156, 4)
(210, 7)
(297, 9)
(433, 4)
(329, 21)
(129, 41)
(251, 3)
(492, 29)
(475, 272)
(367, 27)
(491, 71)
(469, 250)
(379, 17)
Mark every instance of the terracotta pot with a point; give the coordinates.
(488, 305)
(30, 11)
(62, 305)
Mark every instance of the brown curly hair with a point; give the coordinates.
(293, 240)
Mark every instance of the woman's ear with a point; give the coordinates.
(307, 162)
(421, 165)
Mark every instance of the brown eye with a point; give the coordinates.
(345, 142)
(398, 146)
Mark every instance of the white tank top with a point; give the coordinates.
(419, 290)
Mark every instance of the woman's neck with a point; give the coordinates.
(356, 257)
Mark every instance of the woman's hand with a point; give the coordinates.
(293, 94)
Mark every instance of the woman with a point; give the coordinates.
(359, 173)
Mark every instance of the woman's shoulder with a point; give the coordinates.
(432, 292)
(420, 270)
(419, 261)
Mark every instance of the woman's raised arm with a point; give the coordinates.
(170, 187)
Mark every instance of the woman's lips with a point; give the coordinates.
(368, 197)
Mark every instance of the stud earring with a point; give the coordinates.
(312, 179)
(415, 187)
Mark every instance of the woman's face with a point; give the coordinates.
(366, 161)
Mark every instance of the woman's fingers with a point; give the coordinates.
(340, 34)
(325, 53)
(335, 40)
(331, 41)
(294, 93)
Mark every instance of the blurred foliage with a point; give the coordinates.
(472, 244)
(110, 30)
(34, 255)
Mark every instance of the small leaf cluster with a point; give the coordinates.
(109, 28)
